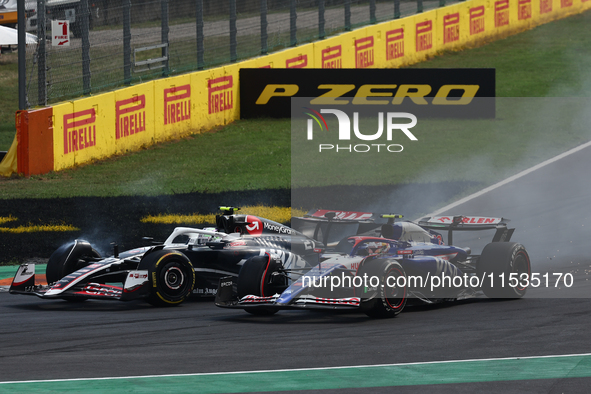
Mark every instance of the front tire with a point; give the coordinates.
(256, 278)
(69, 258)
(172, 277)
(387, 299)
(501, 261)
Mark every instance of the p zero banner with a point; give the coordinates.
(442, 93)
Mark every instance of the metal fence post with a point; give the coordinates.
(396, 9)
(41, 55)
(264, 25)
(233, 32)
(85, 11)
(199, 25)
(321, 20)
(348, 15)
(419, 6)
(372, 11)
(292, 23)
(127, 42)
(164, 40)
(22, 70)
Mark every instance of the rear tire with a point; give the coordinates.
(387, 300)
(172, 277)
(255, 278)
(504, 259)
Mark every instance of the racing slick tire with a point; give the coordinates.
(255, 278)
(499, 262)
(172, 277)
(387, 300)
(68, 258)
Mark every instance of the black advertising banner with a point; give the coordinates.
(441, 93)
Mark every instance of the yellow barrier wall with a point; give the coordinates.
(127, 119)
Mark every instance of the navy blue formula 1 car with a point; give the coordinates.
(381, 267)
(190, 261)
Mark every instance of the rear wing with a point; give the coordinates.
(321, 221)
(469, 223)
(348, 216)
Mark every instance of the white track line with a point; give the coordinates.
(510, 179)
(305, 369)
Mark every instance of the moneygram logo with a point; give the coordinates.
(388, 122)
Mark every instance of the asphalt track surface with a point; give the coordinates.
(550, 209)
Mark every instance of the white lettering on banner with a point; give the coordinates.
(276, 228)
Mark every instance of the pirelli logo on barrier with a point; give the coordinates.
(566, 3)
(131, 116)
(545, 6)
(332, 57)
(79, 130)
(443, 93)
(364, 55)
(501, 13)
(476, 20)
(524, 10)
(221, 94)
(395, 44)
(451, 28)
(424, 38)
(177, 104)
(297, 62)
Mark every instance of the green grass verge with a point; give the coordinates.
(8, 98)
(248, 155)
(548, 61)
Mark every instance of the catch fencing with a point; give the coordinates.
(115, 43)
